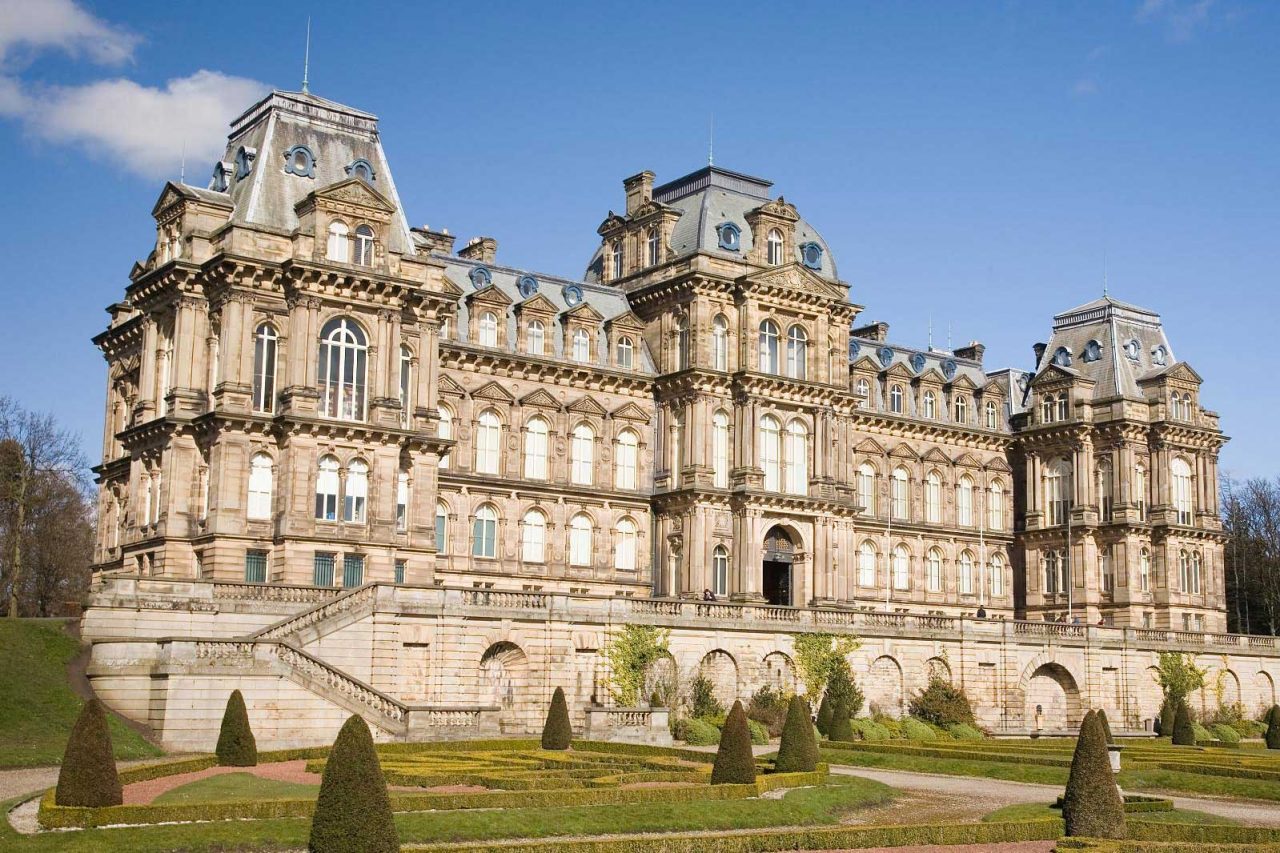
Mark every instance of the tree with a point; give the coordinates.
(841, 728)
(88, 773)
(557, 732)
(1184, 734)
(353, 811)
(236, 744)
(1092, 805)
(1178, 675)
(1164, 724)
(798, 751)
(816, 655)
(1272, 736)
(942, 704)
(1106, 725)
(1251, 520)
(824, 716)
(629, 655)
(702, 698)
(840, 686)
(734, 764)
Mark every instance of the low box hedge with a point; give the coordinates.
(1136, 804)
(1202, 833)
(1100, 846)
(1220, 770)
(946, 752)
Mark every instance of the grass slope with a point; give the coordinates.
(238, 786)
(37, 706)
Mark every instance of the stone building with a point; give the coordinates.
(306, 395)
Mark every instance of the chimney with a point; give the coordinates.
(437, 241)
(973, 351)
(639, 190)
(482, 249)
(1039, 349)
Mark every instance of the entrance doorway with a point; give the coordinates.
(779, 555)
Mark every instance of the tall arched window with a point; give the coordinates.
(580, 540)
(356, 494)
(402, 501)
(535, 449)
(624, 554)
(1057, 492)
(993, 418)
(442, 528)
(864, 393)
(484, 533)
(1063, 404)
(966, 573)
(339, 247)
(962, 410)
(260, 486)
(933, 570)
(488, 329)
(1175, 406)
(364, 246)
(1144, 570)
(1183, 504)
(1184, 571)
(775, 246)
(995, 506)
(582, 456)
(719, 343)
(581, 345)
(327, 489)
(895, 399)
(1140, 490)
(1052, 573)
(899, 495)
(901, 568)
(653, 245)
(720, 450)
(768, 347)
(626, 460)
(675, 438)
(1046, 409)
(770, 453)
(867, 564)
(682, 342)
(933, 497)
(264, 368)
(533, 537)
(867, 488)
(797, 352)
(1195, 572)
(488, 436)
(343, 359)
(720, 571)
(535, 338)
(444, 429)
(406, 385)
(615, 253)
(626, 352)
(148, 494)
(796, 459)
(1105, 501)
(997, 575)
(964, 501)
(930, 404)
(1106, 570)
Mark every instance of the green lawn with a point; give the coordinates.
(37, 707)
(803, 807)
(238, 786)
(1035, 811)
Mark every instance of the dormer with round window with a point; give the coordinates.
(730, 236)
(299, 161)
(811, 255)
(361, 169)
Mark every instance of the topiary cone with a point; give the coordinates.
(88, 774)
(841, 728)
(556, 732)
(735, 764)
(798, 751)
(1106, 726)
(236, 744)
(1183, 732)
(353, 812)
(1272, 735)
(1164, 725)
(1092, 805)
(823, 722)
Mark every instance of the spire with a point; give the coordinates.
(711, 142)
(306, 60)
(1104, 275)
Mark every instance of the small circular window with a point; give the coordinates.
(949, 368)
(299, 161)
(917, 362)
(572, 295)
(886, 355)
(528, 285)
(730, 236)
(811, 256)
(480, 277)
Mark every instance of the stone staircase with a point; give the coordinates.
(309, 625)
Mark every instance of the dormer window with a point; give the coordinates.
(581, 346)
(527, 285)
(361, 169)
(625, 350)
(1062, 357)
(339, 247)
(299, 161)
(1092, 351)
(654, 247)
(730, 236)
(364, 246)
(480, 277)
(244, 161)
(1132, 349)
(1159, 355)
(616, 252)
(219, 182)
(811, 256)
(775, 247)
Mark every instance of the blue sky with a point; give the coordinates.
(979, 163)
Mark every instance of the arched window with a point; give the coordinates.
(264, 368)
(406, 386)
(682, 342)
(581, 345)
(796, 459)
(768, 347)
(533, 537)
(327, 489)
(535, 449)
(1053, 580)
(1175, 406)
(446, 326)
(580, 540)
(484, 533)
(364, 246)
(1063, 404)
(1140, 490)
(582, 456)
(720, 449)
(488, 435)
(964, 501)
(1057, 492)
(339, 247)
(626, 352)
(356, 494)
(1047, 409)
(770, 453)
(933, 497)
(997, 575)
(626, 460)
(343, 358)
(444, 429)
(901, 570)
(900, 496)
(260, 483)
(1184, 571)
(1106, 570)
(1195, 572)
(1183, 503)
(966, 573)
(775, 246)
(535, 338)
(930, 404)
(995, 506)
(864, 392)
(962, 410)
(867, 488)
(488, 329)
(719, 343)
(624, 554)
(1105, 499)
(1144, 570)
(720, 571)
(993, 418)
(653, 245)
(895, 399)
(616, 255)
(797, 347)
(867, 564)
(402, 501)
(933, 570)
(675, 438)
(442, 528)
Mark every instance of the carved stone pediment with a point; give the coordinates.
(449, 387)
(587, 406)
(936, 455)
(493, 391)
(583, 312)
(966, 460)
(540, 399)
(962, 383)
(904, 451)
(1180, 372)
(778, 208)
(627, 320)
(354, 191)
(871, 447)
(611, 225)
(998, 464)
(490, 294)
(537, 304)
(630, 412)
(795, 277)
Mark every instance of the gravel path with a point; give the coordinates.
(28, 780)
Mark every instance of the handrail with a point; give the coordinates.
(347, 601)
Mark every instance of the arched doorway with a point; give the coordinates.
(1053, 699)
(779, 555)
(505, 682)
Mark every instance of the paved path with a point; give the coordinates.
(28, 780)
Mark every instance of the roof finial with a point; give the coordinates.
(930, 332)
(182, 170)
(306, 60)
(1104, 275)
(711, 142)
(948, 336)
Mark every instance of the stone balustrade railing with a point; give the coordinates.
(358, 599)
(273, 592)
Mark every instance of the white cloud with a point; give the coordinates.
(1084, 87)
(62, 25)
(1180, 18)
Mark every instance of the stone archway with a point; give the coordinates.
(779, 672)
(884, 686)
(1052, 699)
(937, 669)
(777, 583)
(1265, 688)
(505, 681)
(720, 668)
(663, 678)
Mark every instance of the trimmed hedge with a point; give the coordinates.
(824, 715)
(1092, 806)
(353, 811)
(1272, 735)
(949, 752)
(1225, 733)
(798, 750)
(697, 732)
(1106, 726)
(913, 729)
(1183, 732)
(1220, 770)
(868, 729)
(88, 777)
(963, 731)
(841, 728)
(557, 731)
(236, 745)
(734, 763)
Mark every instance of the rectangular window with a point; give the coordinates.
(255, 567)
(352, 570)
(322, 573)
(400, 565)
(402, 502)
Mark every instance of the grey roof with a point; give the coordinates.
(939, 361)
(337, 136)
(1015, 384)
(1131, 342)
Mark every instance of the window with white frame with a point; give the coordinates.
(535, 338)
(867, 488)
(615, 253)
(654, 247)
(406, 386)
(535, 449)
(1183, 503)
(484, 532)
(1106, 569)
(933, 497)
(580, 540)
(675, 434)
(626, 546)
(488, 329)
(626, 352)
(265, 342)
(356, 495)
(626, 460)
(995, 506)
(682, 342)
(1144, 570)
(867, 564)
(966, 572)
(797, 352)
(768, 347)
(339, 246)
(770, 453)
(1057, 493)
(260, 486)
(581, 345)
(964, 501)
(488, 437)
(533, 537)
(442, 528)
(1055, 572)
(962, 410)
(901, 568)
(895, 399)
(402, 501)
(1063, 404)
(997, 575)
(582, 456)
(933, 570)
(899, 495)
(930, 404)
(1140, 490)
(343, 360)
(720, 450)
(864, 393)
(720, 571)
(444, 429)
(993, 416)
(796, 459)
(364, 246)
(774, 244)
(327, 481)
(1105, 499)
(719, 343)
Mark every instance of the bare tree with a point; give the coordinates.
(1251, 517)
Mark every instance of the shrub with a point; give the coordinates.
(868, 729)
(798, 751)
(1201, 734)
(1224, 733)
(824, 716)
(1272, 737)
(655, 701)
(769, 707)
(697, 732)
(964, 731)
(841, 688)
(556, 731)
(913, 729)
(88, 773)
(1106, 725)
(759, 734)
(1164, 722)
(841, 727)
(1183, 733)
(1092, 805)
(734, 763)
(353, 812)
(236, 744)
(942, 704)
(702, 698)
(890, 725)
